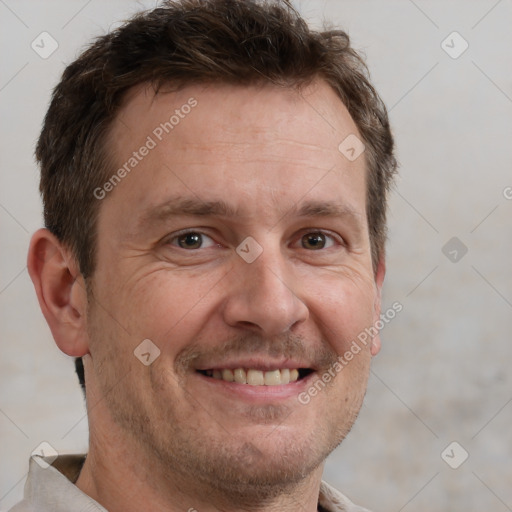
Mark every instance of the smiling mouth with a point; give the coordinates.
(253, 377)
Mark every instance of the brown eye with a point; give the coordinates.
(190, 241)
(314, 241)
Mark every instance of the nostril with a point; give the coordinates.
(248, 325)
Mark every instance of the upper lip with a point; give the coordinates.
(255, 363)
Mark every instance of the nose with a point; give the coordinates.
(262, 297)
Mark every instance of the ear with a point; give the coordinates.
(379, 280)
(61, 292)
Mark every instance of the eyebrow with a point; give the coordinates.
(196, 207)
(325, 209)
(186, 206)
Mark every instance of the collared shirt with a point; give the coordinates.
(50, 488)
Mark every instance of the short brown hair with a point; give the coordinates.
(185, 42)
(189, 42)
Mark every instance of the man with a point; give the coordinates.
(214, 177)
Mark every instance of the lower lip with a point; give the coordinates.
(258, 393)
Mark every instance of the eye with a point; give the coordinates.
(316, 240)
(192, 240)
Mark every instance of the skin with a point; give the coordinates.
(164, 436)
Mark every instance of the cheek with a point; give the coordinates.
(346, 311)
(167, 306)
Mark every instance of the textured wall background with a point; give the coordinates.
(444, 374)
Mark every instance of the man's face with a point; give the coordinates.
(174, 266)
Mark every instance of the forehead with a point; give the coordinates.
(266, 145)
(312, 115)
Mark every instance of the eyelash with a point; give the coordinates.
(176, 236)
(335, 239)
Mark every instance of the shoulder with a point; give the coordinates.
(22, 506)
(50, 486)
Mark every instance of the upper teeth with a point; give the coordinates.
(256, 377)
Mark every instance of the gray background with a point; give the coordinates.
(443, 374)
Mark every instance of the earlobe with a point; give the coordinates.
(379, 280)
(60, 290)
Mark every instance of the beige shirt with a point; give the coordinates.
(51, 489)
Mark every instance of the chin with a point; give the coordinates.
(258, 474)
(248, 468)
